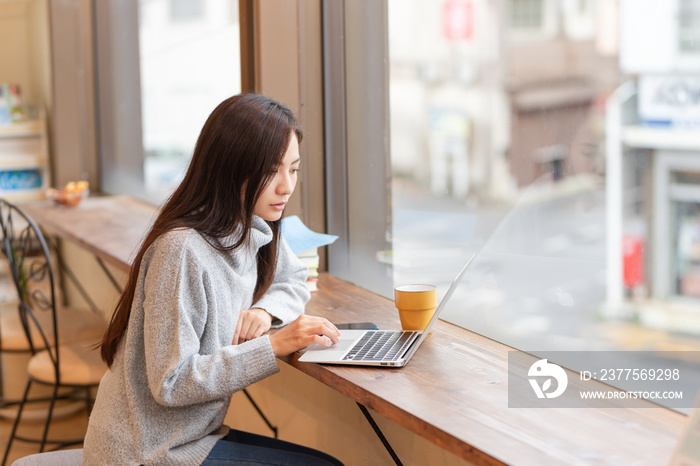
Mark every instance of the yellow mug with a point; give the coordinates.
(416, 305)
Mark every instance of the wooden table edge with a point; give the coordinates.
(392, 412)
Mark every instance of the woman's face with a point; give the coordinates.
(274, 197)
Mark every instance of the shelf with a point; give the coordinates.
(15, 195)
(22, 129)
(23, 161)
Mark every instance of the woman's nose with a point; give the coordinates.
(285, 184)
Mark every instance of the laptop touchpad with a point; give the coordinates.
(347, 339)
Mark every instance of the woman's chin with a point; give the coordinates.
(271, 216)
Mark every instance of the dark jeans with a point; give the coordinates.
(243, 448)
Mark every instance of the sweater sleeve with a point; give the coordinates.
(288, 294)
(175, 314)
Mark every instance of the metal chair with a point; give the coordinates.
(75, 325)
(53, 362)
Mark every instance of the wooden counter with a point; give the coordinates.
(110, 227)
(454, 392)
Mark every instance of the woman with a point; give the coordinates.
(212, 276)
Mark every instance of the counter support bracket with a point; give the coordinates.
(63, 267)
(379, 433)
(109, 274)
(262, 415)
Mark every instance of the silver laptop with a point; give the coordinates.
(384, 348)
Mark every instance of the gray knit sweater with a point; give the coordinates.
(164, 399)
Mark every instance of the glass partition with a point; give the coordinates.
(558, 141)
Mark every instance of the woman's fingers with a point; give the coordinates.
(316, 329)
(251, 324)
(304, 331)
(237, 333)
(328, 329)
(245, 330)
(254, 331)
(330, 332)
(321, 340)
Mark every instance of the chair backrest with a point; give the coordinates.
(27, 253)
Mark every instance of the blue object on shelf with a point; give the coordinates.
(300, 238)
(20, 179)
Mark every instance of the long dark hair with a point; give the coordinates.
(237, 153)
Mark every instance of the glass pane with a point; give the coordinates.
(538, 153)
(689, 19)
(526, 14)
(686, 177)
(190, 62)
(687, 258)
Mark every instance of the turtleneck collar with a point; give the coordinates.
(260, 235)
(260, 232)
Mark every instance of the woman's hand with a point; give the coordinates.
(251, 324)
(304, 331)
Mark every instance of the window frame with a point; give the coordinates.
(119, 86)
(356, 125)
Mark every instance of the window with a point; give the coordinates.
(183, 58)
(526, 14)
(185, 10)
(689, 27)
(534, 158)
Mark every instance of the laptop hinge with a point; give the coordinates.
(410, 347)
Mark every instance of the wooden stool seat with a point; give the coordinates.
(73, 325)
(53, 458)
(78, 365)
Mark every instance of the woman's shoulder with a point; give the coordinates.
(179, 234)
(179, 237)
(180, 241)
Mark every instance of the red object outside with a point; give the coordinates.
(458, 19)
(632, 260)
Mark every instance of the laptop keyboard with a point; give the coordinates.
(380, 346)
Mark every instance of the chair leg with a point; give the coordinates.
(16, 423)
(2, 381)
(48, 418)
(88, 402)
